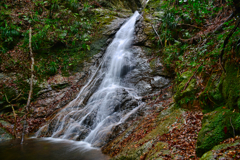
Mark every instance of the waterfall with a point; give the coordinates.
(91, 116)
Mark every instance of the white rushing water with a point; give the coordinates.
(93, 121)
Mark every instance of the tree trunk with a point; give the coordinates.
(31, 86)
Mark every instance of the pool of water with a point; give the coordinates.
(49, 149)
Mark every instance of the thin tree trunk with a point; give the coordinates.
(31, 86)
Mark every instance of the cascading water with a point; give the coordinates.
(91, 116)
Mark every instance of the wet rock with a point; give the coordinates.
(159, 82)
(143, 87)
(90, 119)
(83, 132)
(114, 26)
(143, 33)
(4, 134)
(40, 112)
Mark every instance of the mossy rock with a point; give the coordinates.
(97, 45)
(165, 119)
(4, 135)
(182, 96)
(216, 127)
(231, 86)
(160, 147)
(210, 155)
(212, 98)
(224, 91)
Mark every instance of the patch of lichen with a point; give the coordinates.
(217, 126)
(184, 96)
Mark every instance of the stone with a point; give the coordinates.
(216, 128)
(4, 134)
(114, 26)
(212, 154)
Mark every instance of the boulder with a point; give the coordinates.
(216, 127)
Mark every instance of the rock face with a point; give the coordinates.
(123, 105)
(140, 137)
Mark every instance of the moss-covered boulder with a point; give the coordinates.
(217, 126)
(222, 151)
(182, 95)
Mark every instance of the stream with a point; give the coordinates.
(49, 149)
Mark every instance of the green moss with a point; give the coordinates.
(97, 45)
(216, 127)
(159, 147)
(210, 155)
(184, 96)
(212, 98)
(165, 119)
(231, 86)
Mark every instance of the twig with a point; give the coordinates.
(190, 26)
(7, 99)
(14, 114)
(154, 31)
(17, 96)
(15, 122)
(31, 84)
(220, 26)
(232, 127)
(192, 77)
